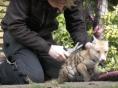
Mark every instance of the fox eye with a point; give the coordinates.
(105, 51)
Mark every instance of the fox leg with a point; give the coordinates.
(63, 76)
(82, 69)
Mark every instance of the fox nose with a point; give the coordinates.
(102, 62)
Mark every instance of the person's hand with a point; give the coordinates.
(88, 45)
(58, 52)
(98, 31)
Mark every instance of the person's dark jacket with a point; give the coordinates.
(31, 22)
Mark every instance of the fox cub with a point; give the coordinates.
(81, 65)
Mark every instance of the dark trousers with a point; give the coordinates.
(37, 68)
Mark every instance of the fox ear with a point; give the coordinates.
(94, 39)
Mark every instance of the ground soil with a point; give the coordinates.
(97, 84)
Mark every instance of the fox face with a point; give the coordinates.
(99, 50)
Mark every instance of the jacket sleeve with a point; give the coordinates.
(16, 16)
(75, 23)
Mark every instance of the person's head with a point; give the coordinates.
(60, 4)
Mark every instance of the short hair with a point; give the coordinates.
(70, 3)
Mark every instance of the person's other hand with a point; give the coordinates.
(58, 52)
(98, 31)
(88, 45)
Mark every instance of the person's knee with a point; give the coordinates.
(37, 76)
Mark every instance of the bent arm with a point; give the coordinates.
(15, 18)
(75, 23)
